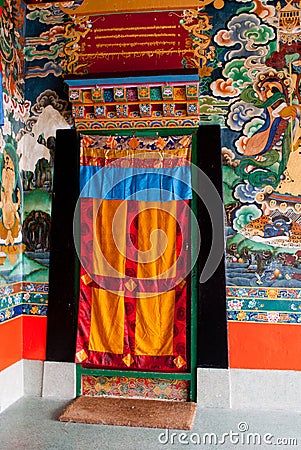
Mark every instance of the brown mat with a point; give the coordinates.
(131, 412)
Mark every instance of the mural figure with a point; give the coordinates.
(10, 196)
(268, 149)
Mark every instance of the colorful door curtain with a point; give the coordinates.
(134, 252)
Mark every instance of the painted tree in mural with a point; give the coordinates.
(48, 113)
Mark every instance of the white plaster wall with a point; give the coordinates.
(36, 379)
(11, 385)
(216, 388)
(265, 389)
(249, 389)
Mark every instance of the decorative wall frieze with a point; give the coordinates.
(124, 103)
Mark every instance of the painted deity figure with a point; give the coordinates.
(273, 96)
(272, 159)
(267, 151)
(10, 221)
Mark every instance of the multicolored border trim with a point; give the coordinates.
(265, 305)
(23, 298)
(173, 123)
(153, 102)
(263, 292)
(147, 388)
(264, 317)
(244, 304)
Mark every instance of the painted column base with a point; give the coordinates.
(59, 380)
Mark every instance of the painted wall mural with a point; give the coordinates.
(259, 45)
(31, 117)
(11, 195)
(49, 110)
(54, 40)
(47, 115)
(248, 55)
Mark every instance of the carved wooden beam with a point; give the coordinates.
(95, 7)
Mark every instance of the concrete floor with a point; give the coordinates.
(31, 424)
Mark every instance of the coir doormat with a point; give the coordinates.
(131, 412)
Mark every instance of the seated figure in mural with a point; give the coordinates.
(10, 220)
(267, 150)
(272, 159)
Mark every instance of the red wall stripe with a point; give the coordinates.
(34, 337)
(10, 342)
(264, 346)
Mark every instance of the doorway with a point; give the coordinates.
(137, 298)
